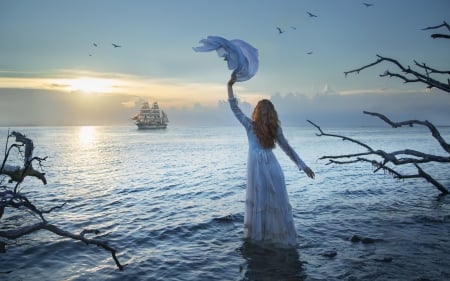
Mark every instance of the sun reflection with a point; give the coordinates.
(86, 135)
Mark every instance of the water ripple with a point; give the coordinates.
(172, 204)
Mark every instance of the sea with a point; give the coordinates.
(171, 202)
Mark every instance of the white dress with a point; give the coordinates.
(268, 213)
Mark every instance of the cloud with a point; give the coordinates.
(331, 107)
(129, 104)
(198, 104)
(28, 107)
(166, 91)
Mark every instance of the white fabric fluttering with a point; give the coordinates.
(241, 57)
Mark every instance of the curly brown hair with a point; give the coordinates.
(265, 123)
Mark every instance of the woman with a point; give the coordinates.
(268, 215)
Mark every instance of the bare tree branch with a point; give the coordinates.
(406, 156)
(416, 76)
(438, 35)
(431, 70)
(434, 131)
(431, 180)
(396, 158)
(409, 75)
(445, 24)
(338, 136)
(16, 233)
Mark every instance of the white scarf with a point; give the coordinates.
(241, 57)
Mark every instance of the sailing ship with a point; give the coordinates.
(151, 117)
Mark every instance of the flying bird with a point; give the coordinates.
(309, 53)
(311, 15)
(116, 46)
(95, 44)
(280, 30)
(367, 4)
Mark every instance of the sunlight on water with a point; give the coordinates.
(86, 135)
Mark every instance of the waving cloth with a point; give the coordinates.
(241, 57)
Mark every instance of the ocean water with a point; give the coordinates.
(171, 202)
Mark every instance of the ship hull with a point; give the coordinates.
(151, 127)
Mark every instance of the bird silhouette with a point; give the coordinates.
(309, 53)
(95, 44)
(367, 4)
(280, 31)
(116, 46)
(311, 15)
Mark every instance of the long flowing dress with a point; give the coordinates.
(268, 214)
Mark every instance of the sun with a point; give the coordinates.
(90, 85)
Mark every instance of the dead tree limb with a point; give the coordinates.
(396, 158)
(12, 198)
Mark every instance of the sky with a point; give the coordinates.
(58, 65)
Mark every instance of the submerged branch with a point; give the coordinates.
(16, 233)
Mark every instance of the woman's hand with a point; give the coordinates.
(232, 79)
(309, 172)
(230, 86)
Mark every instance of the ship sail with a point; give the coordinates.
(151, 117)
(164, 117)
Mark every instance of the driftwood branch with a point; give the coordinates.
(396, 158)
(11, 198)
